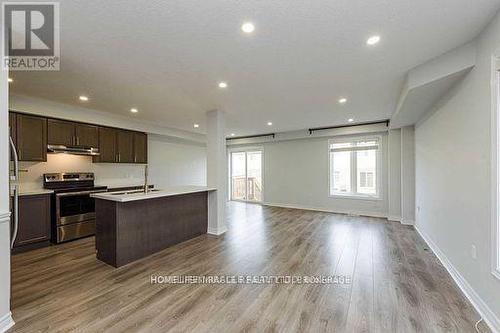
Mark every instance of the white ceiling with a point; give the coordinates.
(166, 57)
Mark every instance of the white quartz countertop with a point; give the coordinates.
(33, 191)
(167, 192)
(117, 185)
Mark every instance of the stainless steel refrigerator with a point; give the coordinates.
(14, 192)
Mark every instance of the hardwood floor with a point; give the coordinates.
(397, 284)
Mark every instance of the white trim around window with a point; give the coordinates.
(354, 193)
(495, 165)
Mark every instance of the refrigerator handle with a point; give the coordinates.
(16, 193)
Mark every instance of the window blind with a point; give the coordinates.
(354, 146)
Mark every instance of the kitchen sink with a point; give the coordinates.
(133, 192)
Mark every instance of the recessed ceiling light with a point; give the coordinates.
(232, 134)
(342, 100)
(373, 40)
(196, 125)
(10, 80)
(248, 27)
(223, 85)
(269, 123)
(350, 120)
(134, 110)
(84, 98)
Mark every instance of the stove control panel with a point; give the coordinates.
(68, 177)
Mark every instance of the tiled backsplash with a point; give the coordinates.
(105, 174)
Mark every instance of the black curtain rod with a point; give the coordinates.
(386, 122)
(252, 136)
(311, 130)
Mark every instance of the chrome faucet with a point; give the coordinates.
(146, 186)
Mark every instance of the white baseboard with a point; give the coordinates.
(6, 322)
(489, 317)
(216, 232)
(335, 211)
(394, 218)
(407, 221)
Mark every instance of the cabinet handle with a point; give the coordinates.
(77, 141)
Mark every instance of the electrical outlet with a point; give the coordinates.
(473, 252)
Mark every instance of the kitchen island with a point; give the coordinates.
(133, 225)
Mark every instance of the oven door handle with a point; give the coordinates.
(71, 194)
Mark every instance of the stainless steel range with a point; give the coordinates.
(73, 210)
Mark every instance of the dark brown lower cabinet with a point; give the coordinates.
(128, 231)
(34, 222)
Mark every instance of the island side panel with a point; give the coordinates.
(147, 226)
(105, 236)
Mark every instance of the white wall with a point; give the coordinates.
(172, 161)
(408, 175)
(216, 171)
(5, 317)
(394, 174)
(453, 177)
(106, 174)
(296, 174)
(172, 164)
(70, 112)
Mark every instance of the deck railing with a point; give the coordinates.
(253, 185)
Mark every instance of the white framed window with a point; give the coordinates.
(355, 167)
(495, 153)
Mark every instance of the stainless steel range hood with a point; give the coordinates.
(89, 151)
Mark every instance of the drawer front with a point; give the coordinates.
(76, 230)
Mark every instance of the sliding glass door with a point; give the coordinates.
(238, 176)
(246, 175)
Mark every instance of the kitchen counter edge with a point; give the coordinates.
(150, 195)
(24, 193)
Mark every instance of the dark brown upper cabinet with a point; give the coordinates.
(140, 148)
(61, 132)
(125, 146)
(69, 133)
(107, 146)
(121, 146)
(87, 135)
(31, 134)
